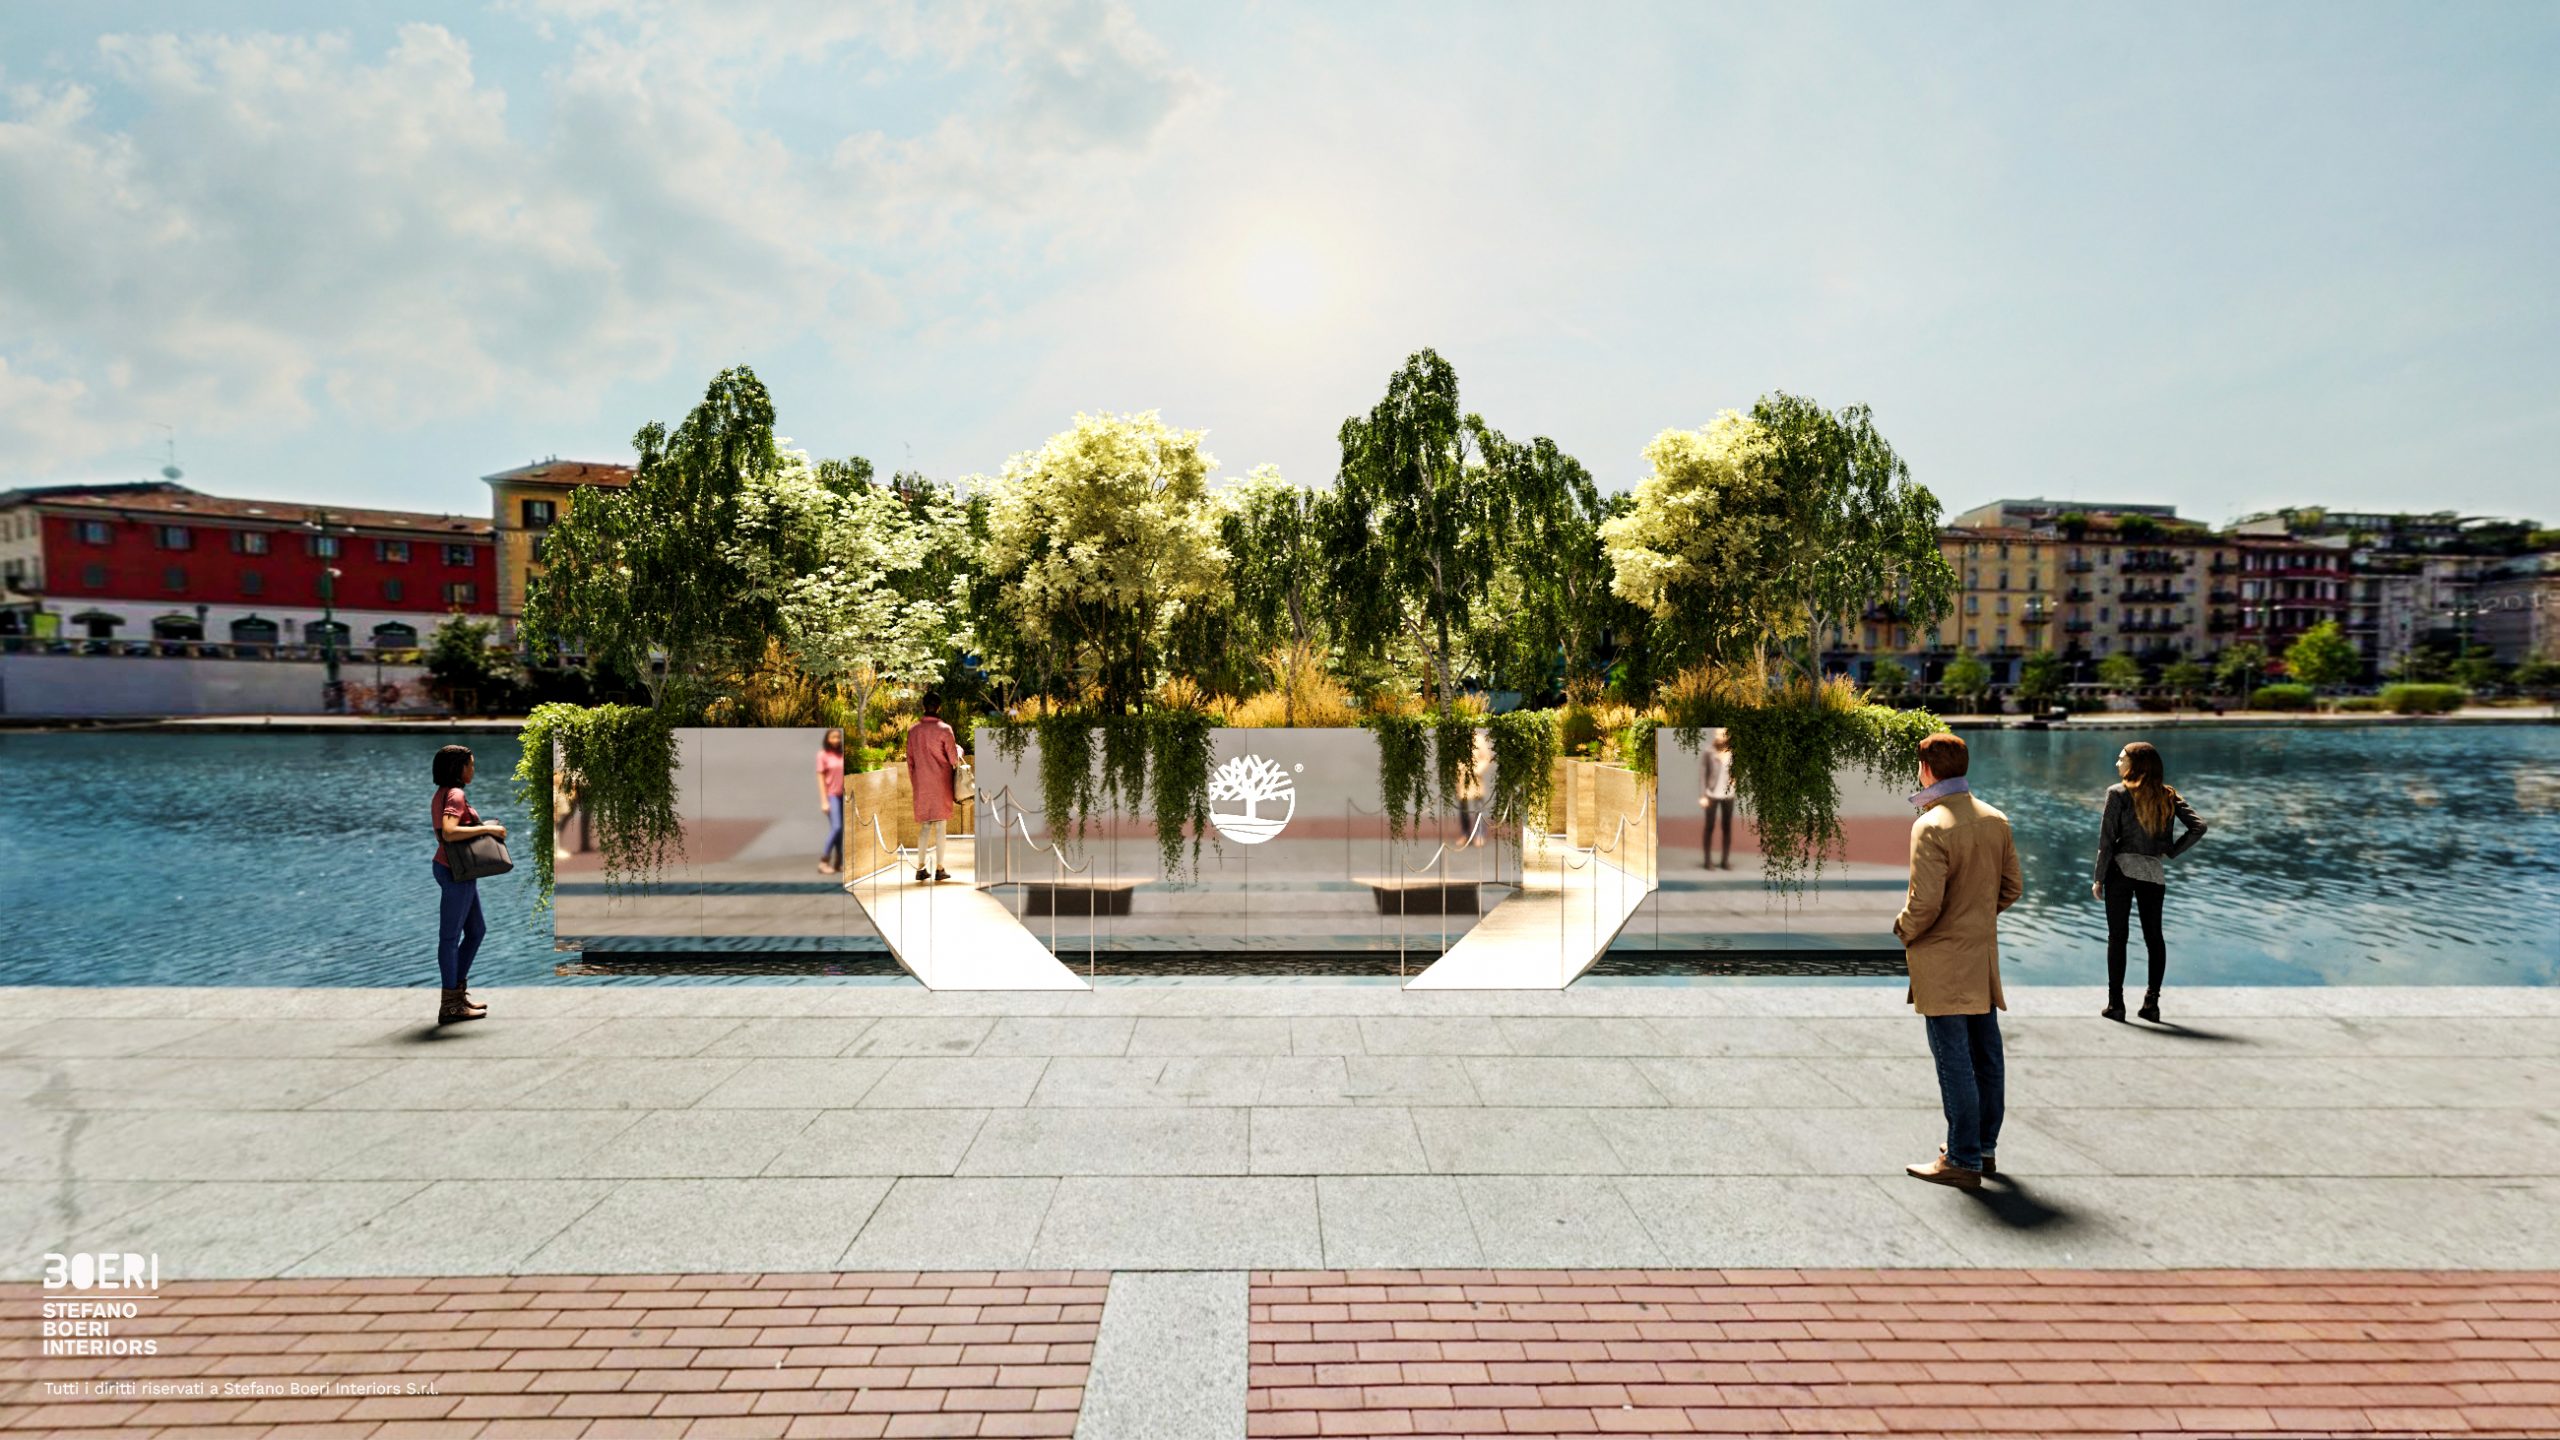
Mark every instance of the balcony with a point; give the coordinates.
(2078, 595)
(2154, 563)
(2149, 595)
(2078, 567)
(2225, 597)
(2075, 627)
(2037, 617)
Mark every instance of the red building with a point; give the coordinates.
(158, 562)
(2282, 587)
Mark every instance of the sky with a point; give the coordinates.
(2221, 257)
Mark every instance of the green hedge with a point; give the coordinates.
(2283, 697)
(2415, 699)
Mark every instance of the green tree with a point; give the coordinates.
(1889, 677)
(462, 670)
(1689, 548)
(1097, 542)
(1560, 568)
(2120, 672)
(2538, 676)
(648, 577)
(2240, 669)
(1967, 678)
(1858, 532)
(2322, 656)
(2185, 677)
(2478, 670)
(2041, 677)
(868, 582)
(1418, 522)
(1274, 536)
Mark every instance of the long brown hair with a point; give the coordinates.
(2147, 781)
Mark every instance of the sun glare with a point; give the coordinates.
(1281, 282)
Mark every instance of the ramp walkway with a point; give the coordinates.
(1571, 903)
(950, 934)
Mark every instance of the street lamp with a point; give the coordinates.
(333, 696)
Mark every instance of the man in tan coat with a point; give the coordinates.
(1964, 872)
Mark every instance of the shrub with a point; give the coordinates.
(2284, 697)
(2421, 699)
(1581, 730)
(2361, 705)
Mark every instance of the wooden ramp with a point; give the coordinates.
(1568, 908)
(953, 936)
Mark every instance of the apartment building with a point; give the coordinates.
(524, 503)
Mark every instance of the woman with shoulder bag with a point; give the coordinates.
(459, 926)
(2134, 847)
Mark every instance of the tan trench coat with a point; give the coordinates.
(1964, 872)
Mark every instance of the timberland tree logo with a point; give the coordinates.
(1252, 782)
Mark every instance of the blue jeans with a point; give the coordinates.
(459, 927)
(1967, 1049)
(833, 850)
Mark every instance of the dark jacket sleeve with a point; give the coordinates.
(2107, 835)
(2194, 823)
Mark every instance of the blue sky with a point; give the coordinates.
(2222, 257)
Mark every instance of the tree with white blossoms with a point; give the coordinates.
(1100, 540)
(1690, 551)
(859, 580)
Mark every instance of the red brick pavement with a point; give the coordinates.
(977, 1354)
(1909, 1352)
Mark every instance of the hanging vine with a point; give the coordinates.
(1524, 765)
(1404, 777)
(1067, 788)
(1789, 745)
(1180, 758)
(619, 763)
(1453, 756)
(1124, 760)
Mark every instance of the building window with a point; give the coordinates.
(1973, 604)
(2004, 579)
(2102, 613)
(461, 594)
(93, 577)
(252, 583)
(391, 552)
(93, 532)
(540, 514)
(248, 542)
(1973, 639)
(457, 555)
(2002, 635)
(394, 591)
(320, 547)
(2001, 606)
(174, 578)
(176, 537)
(540, 544)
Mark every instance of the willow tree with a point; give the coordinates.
(1692, 549)
(651, 576)
(1418, 522)
(1098, 541)
(1565, 611)
(1855, 530)
(1274, 536)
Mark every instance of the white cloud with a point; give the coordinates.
(276, 227)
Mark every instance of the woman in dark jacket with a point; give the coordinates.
(2134, 845)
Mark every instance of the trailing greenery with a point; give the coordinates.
(1011, 740)
(1404, 780)
(1178, 752)
(1635, 744)
(1453, 755)
(1124, 760)
(1067, 787)
(619, 761)
(1789, 744)
(2419, 699)
(1524, 763)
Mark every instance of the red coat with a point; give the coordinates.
(933, 753)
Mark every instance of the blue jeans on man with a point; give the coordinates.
(1970, 1084)
(459, 928)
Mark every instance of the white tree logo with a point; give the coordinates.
(1251, 781)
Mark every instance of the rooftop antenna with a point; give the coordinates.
(170, 471)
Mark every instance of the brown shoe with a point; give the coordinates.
(454, 1009)
(1989, 1165)
(475, 1007)
(1939, 1172)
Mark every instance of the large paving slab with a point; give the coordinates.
(648, 1129)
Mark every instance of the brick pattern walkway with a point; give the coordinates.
(1904, 1352)
(980, 1354)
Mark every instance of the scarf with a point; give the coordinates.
(1953, 785)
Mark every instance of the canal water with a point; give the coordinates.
(2338, 856)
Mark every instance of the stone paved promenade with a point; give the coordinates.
(1195, 1145)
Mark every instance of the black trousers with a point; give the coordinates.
(1718, 812)
(2123, 892)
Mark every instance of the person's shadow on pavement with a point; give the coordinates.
(2189, 1032)
(2014, 1205)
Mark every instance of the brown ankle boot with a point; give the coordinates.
(454, 1009)
(475, 1007)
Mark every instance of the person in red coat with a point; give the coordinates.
(933, 755)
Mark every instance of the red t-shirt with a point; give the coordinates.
(450, 804)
